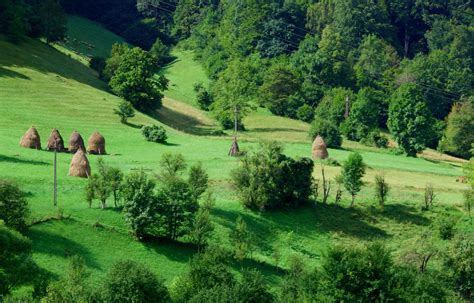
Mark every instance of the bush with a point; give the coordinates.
(98, 64)
(374, 138)
(203, 98)
(267, 179)
(13, 206)
(459, 134)
(129, 281)
(446, 228)
(352, 172)
(160, 52)
(305, 113)
(155, 133)
(124, 111)
(327, 130)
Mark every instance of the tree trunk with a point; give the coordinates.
(353, 200)
(406, 42)
(103, 205)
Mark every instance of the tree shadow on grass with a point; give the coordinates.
(6, 73)
(4, 158)
(404, 214)
(181, 121)
(48, 60)
(49, 243)
(133, 125)
(173, 250)
(276, 129)
(308, 222)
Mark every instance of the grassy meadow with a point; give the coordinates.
(43, 87)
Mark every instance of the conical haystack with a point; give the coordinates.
(31, 139)
(320, 150)
(80, 165)
(55, 141)
(234, 149)
(96, 144)
(75, 142)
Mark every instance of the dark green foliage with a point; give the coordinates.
(124, 111)
(267, 179)
(360, 274)
(305, 113)
(279, 91)
(381, 189)
(142, 33)
(112, 63)
(204, 98)
(140, 203)
(209, 279)
(327, 130)
(207, 270)
(364, 114)
(459, 134)
(459, 264)
(352, 172)
(101, 185)
(129, 281)
(98, 64)
(13, 19)
(73, 286)
(16, 263)
(53, 20)
(300, 284)
(446, 228)
(134, 80)
(155, 133)
(375, 138)
(333, 106)
(410, 121)
(13, 206)
(170, 210)
(202, 227)
(198, 179)
(160, 52)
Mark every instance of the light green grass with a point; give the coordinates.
(40, 86)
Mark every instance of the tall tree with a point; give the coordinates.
(459, 135)
(410, 121)
(53, 20)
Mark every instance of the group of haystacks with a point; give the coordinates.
(80, 166)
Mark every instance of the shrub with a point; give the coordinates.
(459, 134)
(327, 130)
(13, 206)
(352, 172)
(155, 133)
(459, 265)
(129, 281)
(267, 179)
(381, 189)
(160, 52)
(98, 64)
(374, 138)
(429, 197)
(305, 113)
(203, 97)
(446, 228)
(124, 111)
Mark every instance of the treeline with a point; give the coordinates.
(357, 65)
(34, 18)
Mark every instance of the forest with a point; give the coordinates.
(392, 77)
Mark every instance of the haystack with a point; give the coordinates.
(96, 144)
(320, 150)
(80, 165)
(75, 142)
(234, 149)
(31, 139)
(55, 141)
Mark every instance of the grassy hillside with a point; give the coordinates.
(42, 87)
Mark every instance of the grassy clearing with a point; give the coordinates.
(42, 87)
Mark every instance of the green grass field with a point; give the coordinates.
(41, 86)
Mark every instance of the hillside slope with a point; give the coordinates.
(42, 87)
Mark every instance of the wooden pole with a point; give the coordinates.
(55, 176)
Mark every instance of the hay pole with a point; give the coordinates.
(55, 174)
